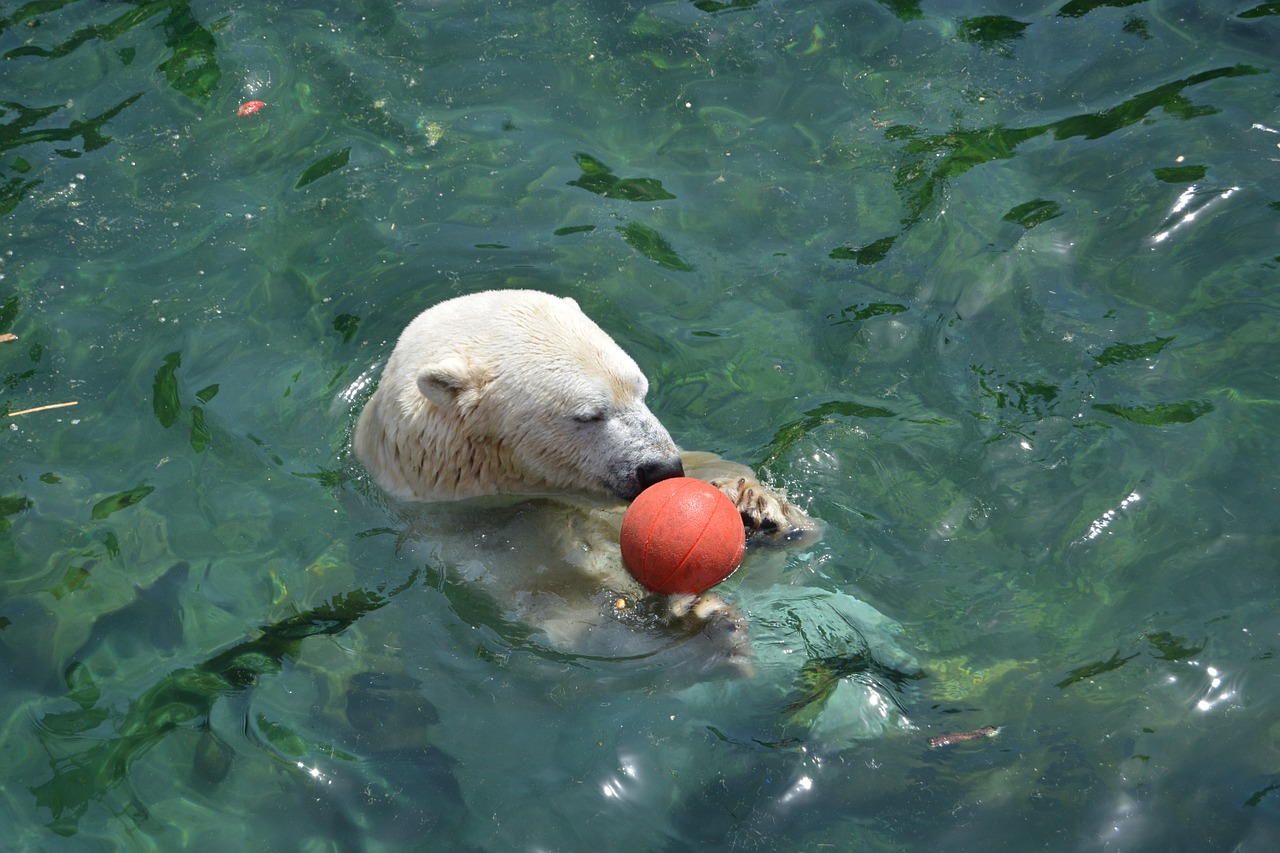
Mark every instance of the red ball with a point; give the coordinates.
(682, 535)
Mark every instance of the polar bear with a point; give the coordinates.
(521, 427)
(517, 392)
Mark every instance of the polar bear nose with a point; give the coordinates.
(655, 472)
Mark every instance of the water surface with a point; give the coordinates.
(989, 287)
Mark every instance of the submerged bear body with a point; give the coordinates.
(514, 431)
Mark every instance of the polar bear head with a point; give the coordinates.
(511, 392)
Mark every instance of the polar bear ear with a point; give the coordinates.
(451, 383)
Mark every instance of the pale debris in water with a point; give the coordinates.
(433, 130)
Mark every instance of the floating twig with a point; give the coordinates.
(4, 339)
(43, 408)
(962, 737)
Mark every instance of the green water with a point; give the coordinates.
(989, 287)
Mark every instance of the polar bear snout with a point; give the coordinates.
(626, 482)
(655, 472)
(629, 451)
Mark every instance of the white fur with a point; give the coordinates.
(511, 392)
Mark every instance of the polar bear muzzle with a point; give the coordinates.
(646, 474)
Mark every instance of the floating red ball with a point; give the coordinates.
(248, 108)
(682, 535)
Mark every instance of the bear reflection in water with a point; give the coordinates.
(514, 430)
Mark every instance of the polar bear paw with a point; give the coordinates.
(700, 606)
(710, 615)
(767, 517)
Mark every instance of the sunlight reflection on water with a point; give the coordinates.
(1190, 204)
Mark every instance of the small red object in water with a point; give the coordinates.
(248, 108)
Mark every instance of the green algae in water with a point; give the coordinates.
(1120, 353)
(1169, 646)
(346, 325)
(718, 6)
(905, 10)
(1033, 213)
(653, 246)
(599, 179)
(1080, 8)
(1093, 670)
(791, 433)
(164, 394)
(1180, 174)
(326, 165)
(9, 311)
(1262, 10)
(861, 313)
(573, 229)
(201, 435)
(1160, 414)
(872, 253)
(121, 500)
(991, 30)
(12, 505)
